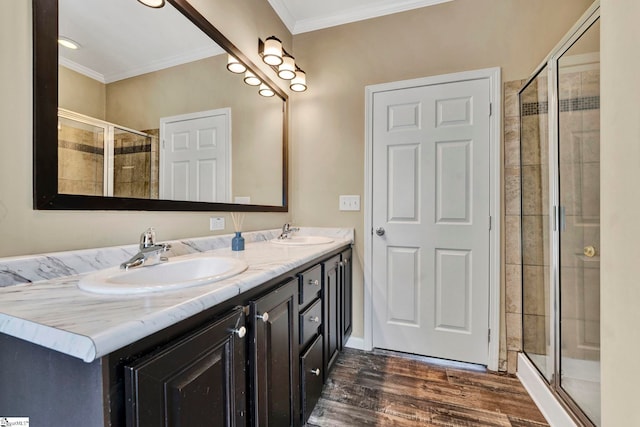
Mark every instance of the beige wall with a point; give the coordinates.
(79, 93)
(620, 210)
(328, 119)
(25, 231)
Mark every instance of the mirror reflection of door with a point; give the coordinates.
(195, 156)
(579, 175)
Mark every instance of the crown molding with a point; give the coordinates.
(281, 9)
(355, 14)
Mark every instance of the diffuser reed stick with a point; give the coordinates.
(238, 219)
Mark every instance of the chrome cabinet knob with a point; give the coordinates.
(240, 332)
(380, 231)
(264, 316)
(316, 372)
(314, 282)
(315, 319)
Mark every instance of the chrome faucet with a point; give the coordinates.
(287, 230)
(149, 253)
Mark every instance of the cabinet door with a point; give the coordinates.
(331, 300)
(347, 292)
(199, 381)
(275, 358)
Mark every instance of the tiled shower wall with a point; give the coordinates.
(513, 266)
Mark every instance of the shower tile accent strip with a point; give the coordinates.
(80, 147)
(145, 148)
(572, 104)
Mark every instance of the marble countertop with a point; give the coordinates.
(56, 314)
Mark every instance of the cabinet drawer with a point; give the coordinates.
(310, 286)
(310, 321)
(311, 369)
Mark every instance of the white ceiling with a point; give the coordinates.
(301, 16)
(123, 38)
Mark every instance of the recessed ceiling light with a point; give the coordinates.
(68, 43)
(153, 3)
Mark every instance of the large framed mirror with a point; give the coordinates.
(144, 115)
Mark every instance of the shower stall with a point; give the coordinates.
(560, 220)
(98, 158)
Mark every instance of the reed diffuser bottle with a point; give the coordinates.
(237, 243)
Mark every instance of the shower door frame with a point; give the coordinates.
(551, 62)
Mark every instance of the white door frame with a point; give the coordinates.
(493, 74)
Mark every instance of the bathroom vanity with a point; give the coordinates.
(253, 349)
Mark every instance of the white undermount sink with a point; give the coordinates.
(303, 240)
(177, 273)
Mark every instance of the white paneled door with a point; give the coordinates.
(195, 158)
(430, 218)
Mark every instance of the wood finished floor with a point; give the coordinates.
(386, 389)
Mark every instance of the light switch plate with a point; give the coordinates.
(216, 223)
(349, 203)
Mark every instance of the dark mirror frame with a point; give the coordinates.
(45, 118)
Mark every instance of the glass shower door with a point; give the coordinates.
(579, 232)
(537, 315)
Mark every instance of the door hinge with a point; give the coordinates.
(490, 108)
(490, 222)
(489, 336)
(163, 144)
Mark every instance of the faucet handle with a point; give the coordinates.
(148, 238)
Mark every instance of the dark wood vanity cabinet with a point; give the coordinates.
(262, 363)
(331, 296)
(276, 386)
(198, 381)
(346, 304)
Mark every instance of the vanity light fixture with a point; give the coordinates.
(287, 70)
(266, 91)
(272, 51)
(251, 79)
(286, 66)
(235, 66)
(156, 4)
(299, 82)
(68, 43)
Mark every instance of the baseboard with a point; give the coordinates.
(355, 342)
(551, 409)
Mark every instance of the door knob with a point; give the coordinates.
(589, 251)
(380, 231)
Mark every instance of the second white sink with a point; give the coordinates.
(303, 240)
(177, 273)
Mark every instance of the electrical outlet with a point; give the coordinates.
(349, 203)
(216, 223)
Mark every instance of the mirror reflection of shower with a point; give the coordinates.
(99, 158)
